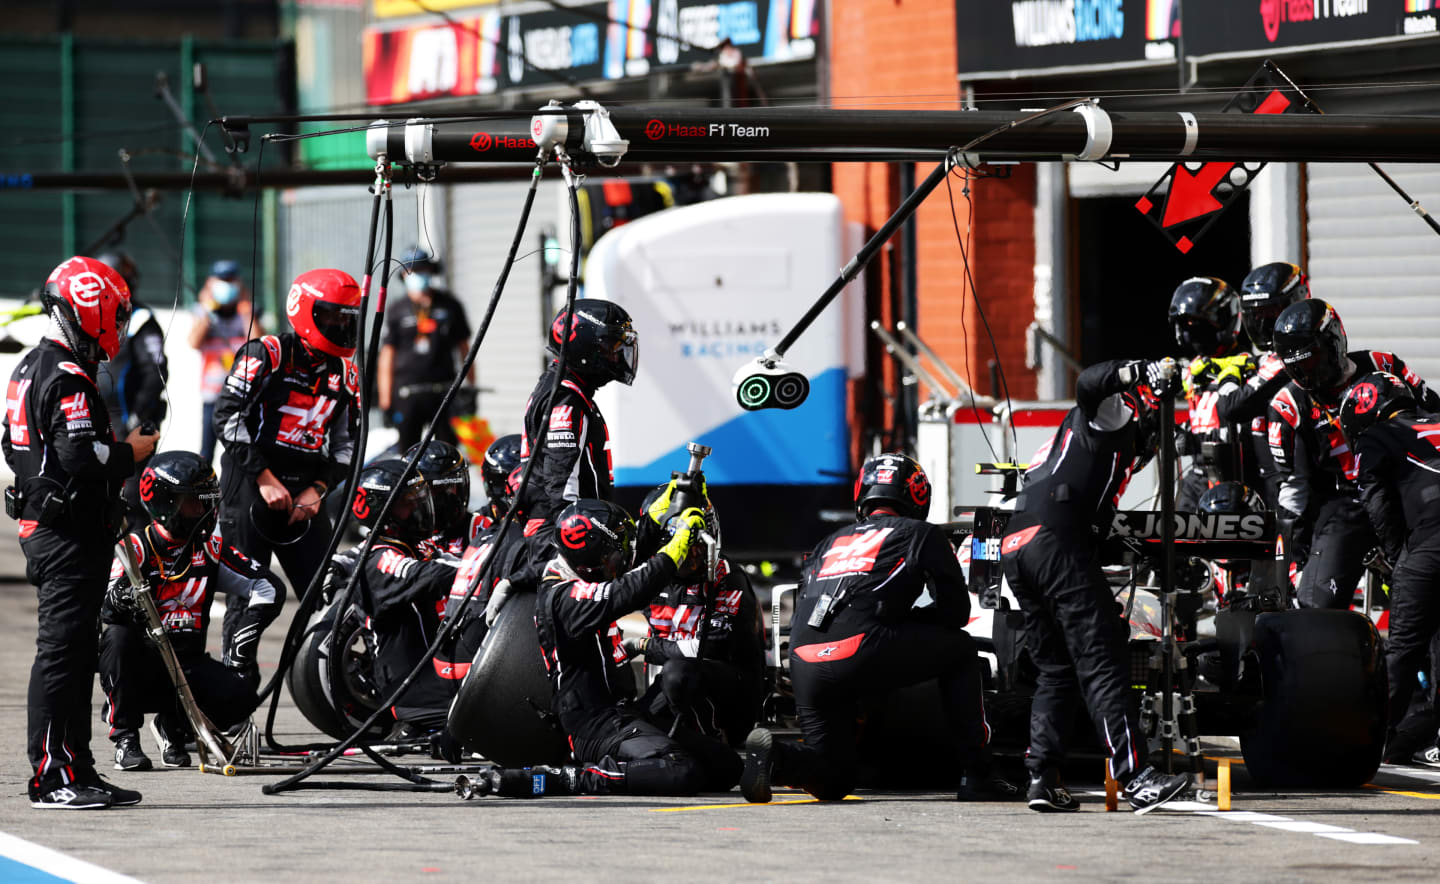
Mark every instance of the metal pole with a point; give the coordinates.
(1167, 576)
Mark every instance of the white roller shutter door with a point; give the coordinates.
(482, 224)
(1375, 260)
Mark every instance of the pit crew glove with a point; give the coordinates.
(686, 526)
(657, 510)
(498, 595)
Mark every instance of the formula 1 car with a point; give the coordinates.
(1304, 690)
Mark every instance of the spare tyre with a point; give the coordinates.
(1321, 721)
(336, 699)
(502, 710)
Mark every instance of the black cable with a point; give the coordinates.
(964, 331)
(443, 634)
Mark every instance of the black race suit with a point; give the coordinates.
(1073, 625)
(185, 579)
(291, 413)
(1218, 448)
(574, 461)
(425, 341)
(511, 554)
(718, 695)
(1325, 528)
(400, 592)
(58, 442)
(1399, 465)
(617, 748)
(875, 641)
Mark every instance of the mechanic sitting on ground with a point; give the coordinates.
(1397, 450)
(285, 420)
(706, 639)
(68, 470)
(399, 588)
(1325, 528)
(425, 341)
(448, 474)
(1075, 633)
(185, 561)
(856, 635)
(586, 588)
(1205, 316)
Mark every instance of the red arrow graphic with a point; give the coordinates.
(1190, 194)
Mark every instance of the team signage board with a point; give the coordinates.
(1014, 37)
(486, 51)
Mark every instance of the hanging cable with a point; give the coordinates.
(294, 781)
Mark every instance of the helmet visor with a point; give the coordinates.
(413, 513)
(1196, 335)
(1260, 322)
(337, 323)
(625, 356)
(194, 514)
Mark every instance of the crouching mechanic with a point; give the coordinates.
(1075, 633)
(586, 588)
(856, 635)
(1398, 453)
(400, 585)
(706, 638)
(186, 562)
(1325, 528)
(447, 473)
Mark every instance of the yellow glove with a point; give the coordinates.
(687, 524)
(1237, 367)
(657, 510)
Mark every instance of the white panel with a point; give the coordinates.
(1093, 179)
(1375, 260)
(482, 224)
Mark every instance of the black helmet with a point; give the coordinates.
(1266, 291)
(499, 472)
(1205, 315)
(892, 480)
(1310, 340)
(416, 258)
(603, 346)
(448, 474)
(594, 538)
(1231, 499)
(121, 262)
(180, 492)
(1374, 397)
(412, 516)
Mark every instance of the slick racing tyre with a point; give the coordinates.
(335, 700)
(1322, 719)
(502, 709)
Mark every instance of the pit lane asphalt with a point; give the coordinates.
(193, 827)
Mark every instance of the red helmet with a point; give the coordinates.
(92, 303)
(324, 310)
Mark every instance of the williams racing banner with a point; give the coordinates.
(489, 51)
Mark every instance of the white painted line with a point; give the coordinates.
(1312, 828)
(1243, 816)
(1366, 838)
(58, 864)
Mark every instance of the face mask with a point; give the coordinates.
(415, 283)
(224, 291)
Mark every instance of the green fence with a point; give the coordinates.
(74, 104)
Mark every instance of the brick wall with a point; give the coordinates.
(897, 54)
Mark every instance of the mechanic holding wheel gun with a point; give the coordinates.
(856, 633)
(68, 473)
(285, 418)
(1397, 451)
(1073, 624)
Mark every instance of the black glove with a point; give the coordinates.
(120, 607)
(341, 567)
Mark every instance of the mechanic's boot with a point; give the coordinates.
(118, 797)
(759, 766)
(128, 754)
(75, 796)
(1429, 757)
(1150, 789)
(172, 745)
(1048, 795)
(986, 784)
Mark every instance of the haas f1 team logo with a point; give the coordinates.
(85, 288)
(574, 530)
(147, 485)
(361, 506)
(303, 424)
(919, 488)
(855, 554)
(1364, 395)
(654, 130)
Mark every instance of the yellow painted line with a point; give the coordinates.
(746, 804)
(1429, 796)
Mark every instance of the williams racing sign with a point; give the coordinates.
(491, 51)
